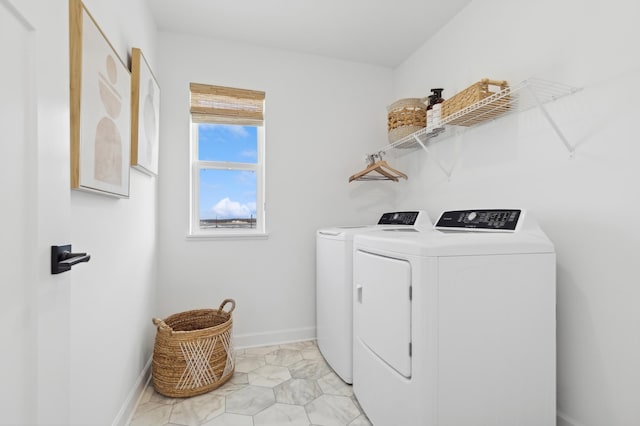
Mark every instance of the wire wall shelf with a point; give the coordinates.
(528, 94)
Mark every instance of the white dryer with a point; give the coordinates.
(334, 289)
(454, 327)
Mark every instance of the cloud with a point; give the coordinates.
(228, 209)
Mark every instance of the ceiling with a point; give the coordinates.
(380, 32)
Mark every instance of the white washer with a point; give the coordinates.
(456, 328)
(334, 289)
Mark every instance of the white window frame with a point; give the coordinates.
(195, 231)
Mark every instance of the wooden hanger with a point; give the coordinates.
(384, 170)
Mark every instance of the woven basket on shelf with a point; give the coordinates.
(406, 116)
(472, 95)
(193, 351)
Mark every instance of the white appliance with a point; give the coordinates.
(454, 327)
(334, 290)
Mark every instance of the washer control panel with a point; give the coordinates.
(400, 218)
(480, 220)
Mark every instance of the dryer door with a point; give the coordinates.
(382, 308)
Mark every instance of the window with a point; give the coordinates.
(227, 161)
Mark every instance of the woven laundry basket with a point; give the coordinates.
(466, 106)
(406, 116)
(193, 352)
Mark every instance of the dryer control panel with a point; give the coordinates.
(480, 220)
(400, 218)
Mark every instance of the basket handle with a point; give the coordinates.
(502, 83)
(161, 324)
(225, 301)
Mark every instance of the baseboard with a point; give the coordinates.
(131, 402)
(273, 337)
(564, 420)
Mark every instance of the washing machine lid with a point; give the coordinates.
(343, 232)
(414, 219)
(527, 238)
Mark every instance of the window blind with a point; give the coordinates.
(226, 105)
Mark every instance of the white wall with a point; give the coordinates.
(321, 115)
(113, 296)
(582, 203)
(93, 324)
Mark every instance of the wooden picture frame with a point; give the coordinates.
(100, 88)
(145, 115)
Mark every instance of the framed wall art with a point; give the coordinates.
(100, 89)
(145, 114)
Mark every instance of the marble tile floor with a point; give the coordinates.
(282, 385)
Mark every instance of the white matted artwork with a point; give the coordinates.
(145, 114)
(100, 109)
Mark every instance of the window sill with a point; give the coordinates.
(203, 236)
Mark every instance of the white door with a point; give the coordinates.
(17, 217)
(382, 308)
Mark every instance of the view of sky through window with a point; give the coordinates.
(227, 193)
